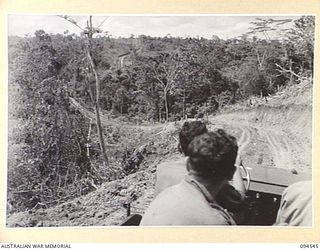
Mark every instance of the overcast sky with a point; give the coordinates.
(183, 26)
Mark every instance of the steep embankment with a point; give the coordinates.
(276, 133)
(107, 205)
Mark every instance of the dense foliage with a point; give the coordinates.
(142, 79)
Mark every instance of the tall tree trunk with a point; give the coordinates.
(88, 139)
(291, 75)
(166, 105)
(89, 32)
(100, 134)
(97, 99)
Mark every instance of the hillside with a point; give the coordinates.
(88, 109)
(276, 132)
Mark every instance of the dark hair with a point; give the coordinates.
(188, 132)
(213, 154)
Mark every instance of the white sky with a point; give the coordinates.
(200, 25)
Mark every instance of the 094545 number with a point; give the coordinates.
(309, 246)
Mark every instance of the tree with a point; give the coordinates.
(266, 26)
(89, 31)
(47, 148)
(162, 69)
(301, 36)
(298, 44)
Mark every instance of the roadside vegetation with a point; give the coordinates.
(89, 109)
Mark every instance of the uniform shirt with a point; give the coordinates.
(172, 172)
(187, 203)
(296, 205)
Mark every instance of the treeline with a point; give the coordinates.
(157, 79)
(142, 79)
(170, 78)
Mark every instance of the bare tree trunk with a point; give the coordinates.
(97, 107)
(100, 134)
(290, 69)
(166, 106)
(88, 139)
(89, 32)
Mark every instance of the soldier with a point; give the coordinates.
(193, 201)
(170, 173)
(296, 205)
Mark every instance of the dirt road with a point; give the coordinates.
(264, 141)
(107, 121)
(267, 146)
(259, 144)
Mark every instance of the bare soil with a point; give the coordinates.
(277, 134)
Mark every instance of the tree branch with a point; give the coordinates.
(108, 17)
(281, 70)
(69, 19)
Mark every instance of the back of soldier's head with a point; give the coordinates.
(188, 132)
(213, 154)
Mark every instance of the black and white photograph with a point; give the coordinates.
(160, 120)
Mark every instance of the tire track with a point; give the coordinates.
(244, 140)
(245, 137)
(279, 147)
